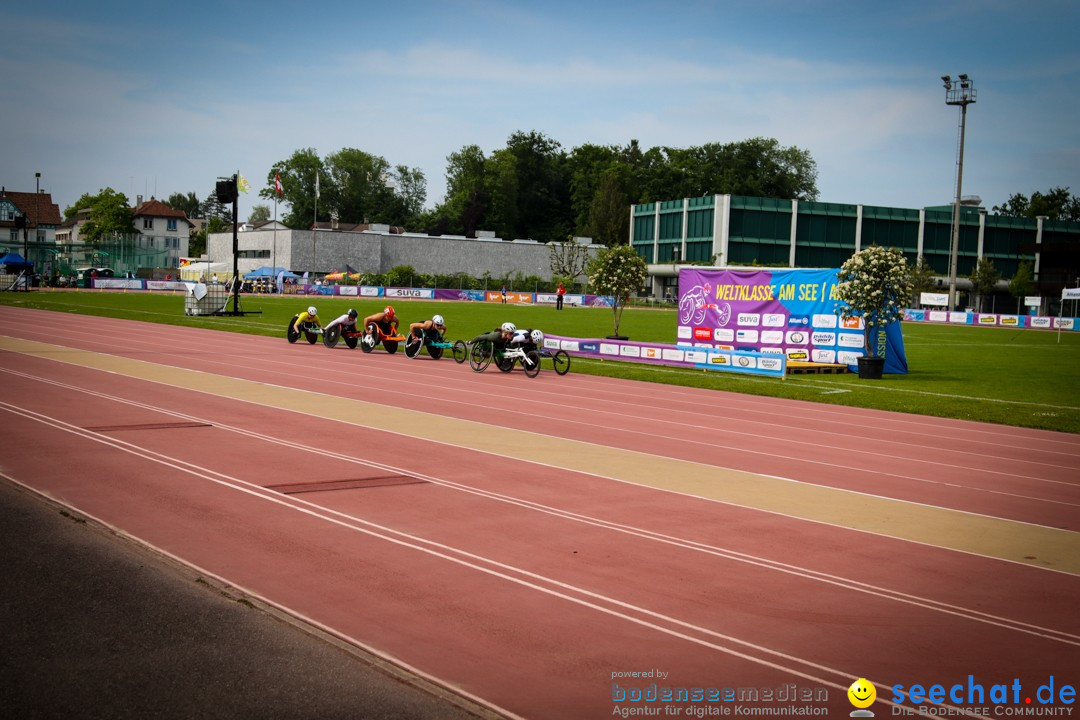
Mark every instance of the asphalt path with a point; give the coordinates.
(93, 625)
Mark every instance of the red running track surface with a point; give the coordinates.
(538, 544)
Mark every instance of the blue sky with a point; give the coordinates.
(156, 100)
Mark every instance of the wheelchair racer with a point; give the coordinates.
(346, 321)
(386, 321)
(499, 338)
(429, 330)
(527, 339)
(311, 315)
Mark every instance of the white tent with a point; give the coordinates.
(203, 270)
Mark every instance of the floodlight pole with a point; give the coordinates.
(962, 95)
(236, 247)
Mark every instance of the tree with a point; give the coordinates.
(542, 187)
(922, 279)
(188, 204)
(298, 175)
(467, 202)
(609, 215)
(1056, 204)
(617, 272)
(984, 279)
(874, 284)
(212, 208)
(259, 214)
(409, 191)
(1022, 284)
(109, 215)
(568, 260)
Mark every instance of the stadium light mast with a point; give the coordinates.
(962, 93)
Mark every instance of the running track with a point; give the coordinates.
(522, 542)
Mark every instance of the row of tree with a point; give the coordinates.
(532, 187)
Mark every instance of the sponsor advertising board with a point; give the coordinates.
(792, 313)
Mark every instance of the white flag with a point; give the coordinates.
(316, 184)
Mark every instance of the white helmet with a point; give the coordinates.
(438, 320)
(312, 311)
(509, 327)
(537, 337)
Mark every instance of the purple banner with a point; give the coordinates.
(792, 312)
(687, 356)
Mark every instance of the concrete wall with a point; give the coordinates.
(379, 252)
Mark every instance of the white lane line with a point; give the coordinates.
(725, 553)
(619, 609)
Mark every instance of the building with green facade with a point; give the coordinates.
(730, 230)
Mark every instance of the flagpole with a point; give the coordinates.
(275, 234)
(315, 224)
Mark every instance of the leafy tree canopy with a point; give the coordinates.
(353, 186)
(109, 214)
(259, 214)
(188, 204)
(1056, 204)
(533, 188)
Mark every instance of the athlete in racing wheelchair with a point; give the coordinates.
(342, 327)
(381, 327)
(306, 323)
(429, 334)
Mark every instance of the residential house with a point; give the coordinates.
(165, 231)
(42, 220)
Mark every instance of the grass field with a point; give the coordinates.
(1026, 378)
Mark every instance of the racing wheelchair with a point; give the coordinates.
(435, 344)
(375, 335)
(308, 329)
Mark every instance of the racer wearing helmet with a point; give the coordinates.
(528, 339)
(433, 329)
(499, 337)
(386, 321)
(346, 321)
(311, 315)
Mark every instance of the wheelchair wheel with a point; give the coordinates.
(531, 363)
(461, 351)
(390, 346)
(412, 346)
(312, 337)
(435, 352)
(350, 341)
(370, 339)
(290, 334)
(504, 363)
(480, 356)
(331, 336)
(561, 358)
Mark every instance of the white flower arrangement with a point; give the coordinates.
(875, 284)
(617, 271)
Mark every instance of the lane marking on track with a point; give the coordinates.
(672, 627)
(1010, 540)
(724, 553)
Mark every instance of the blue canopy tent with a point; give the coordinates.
(15, 262)
(268, 272)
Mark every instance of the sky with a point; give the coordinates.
(157, 100)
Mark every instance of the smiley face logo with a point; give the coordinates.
(862, 693)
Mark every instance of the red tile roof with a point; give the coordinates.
(156, 208)
(37, 207)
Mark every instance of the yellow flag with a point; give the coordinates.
(242, 183)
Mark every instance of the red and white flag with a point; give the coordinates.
(277, 184)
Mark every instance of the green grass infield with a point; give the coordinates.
(1025, 378)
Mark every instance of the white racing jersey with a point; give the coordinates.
(342, 320)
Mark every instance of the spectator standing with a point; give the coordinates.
(559, 296)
